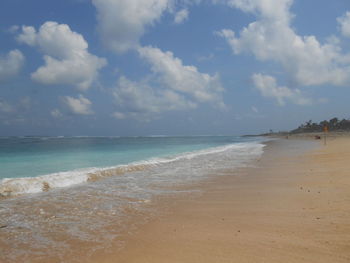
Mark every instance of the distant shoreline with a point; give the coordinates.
(299, 135)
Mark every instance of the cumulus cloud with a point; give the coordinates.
(344, 24)
(267, 85)
(11, 63)
(140, 101)
(271, 9)
(27, 36)
(173, 74)
(181, 16)
(79, 105)
(172, 86)
(66, 56)
(271, 38)
(121, 23)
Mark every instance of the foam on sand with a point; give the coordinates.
(28, 185)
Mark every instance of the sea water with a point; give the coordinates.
(76, 187)
(31, 164)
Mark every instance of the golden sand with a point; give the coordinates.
(290, 208)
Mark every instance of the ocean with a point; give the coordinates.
(75, 187)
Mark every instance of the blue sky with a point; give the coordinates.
(171, 67)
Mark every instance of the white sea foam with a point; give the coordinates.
(105, 206)
(19, 186)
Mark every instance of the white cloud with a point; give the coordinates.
(271, 38)
(11, 64)
(56, 113)
(66, 56)
(28, 35)
(170, 72)
(140, 101)
(271, 9)
(80, 105)
(172, 86)
(13, 29)
(267, 85)
(121, 23)
(344, 24)
(181, 16)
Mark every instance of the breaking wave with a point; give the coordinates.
(27, 185)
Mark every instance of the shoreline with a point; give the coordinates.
(286, 209)
(73, 224)
(12, 187)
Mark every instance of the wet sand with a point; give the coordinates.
(294, 206)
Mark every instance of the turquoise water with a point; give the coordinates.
(35, 156)
(78, 187)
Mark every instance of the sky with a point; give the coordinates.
(171, 67)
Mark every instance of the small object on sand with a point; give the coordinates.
(239, 231)
(2, 226)
(317, 137)
(45, 187)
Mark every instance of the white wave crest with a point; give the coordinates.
(18, 186)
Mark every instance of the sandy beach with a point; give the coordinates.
(174, 131)
(294, 206)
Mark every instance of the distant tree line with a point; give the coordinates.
(332, 125)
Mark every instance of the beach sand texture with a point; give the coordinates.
(291, 208)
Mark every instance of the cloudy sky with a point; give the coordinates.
(172, 67)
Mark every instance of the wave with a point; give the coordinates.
(10, 187)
